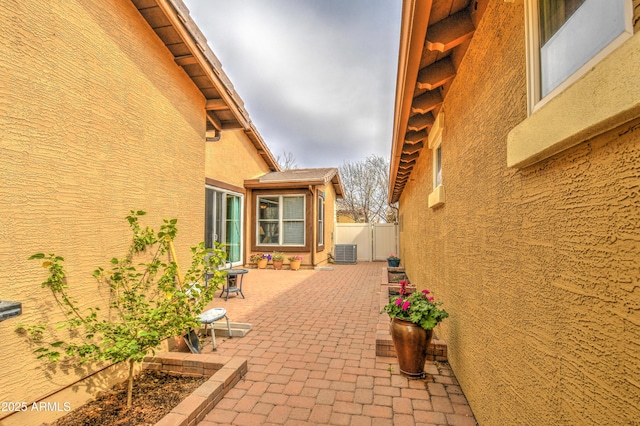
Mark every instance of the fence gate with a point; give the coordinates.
(374, 242)
(385, 240)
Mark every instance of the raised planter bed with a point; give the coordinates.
(395, 275)
(437, 350)
(223, 371)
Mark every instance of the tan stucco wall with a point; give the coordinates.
(322, 257)
(233, 159)
(538, 267)
(96, 119)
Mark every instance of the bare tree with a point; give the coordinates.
(286, 161)
(365, 190)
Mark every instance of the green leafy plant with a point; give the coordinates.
(149, 301)
(255, 258)
(277, 256)
(295, 258)
(393, 256)
(418, 308)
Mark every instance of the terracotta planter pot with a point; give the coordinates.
(411, 342)
(294, 264)
(277, 264)
(262, 263)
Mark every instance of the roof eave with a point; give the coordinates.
(177, 13)
(415, 19)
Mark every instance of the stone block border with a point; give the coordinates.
(437, 350)
(223, 372)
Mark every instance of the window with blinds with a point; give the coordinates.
(281, 220)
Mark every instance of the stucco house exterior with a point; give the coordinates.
(516, 166)
(298, 213)
(293, 212)
(106, 107)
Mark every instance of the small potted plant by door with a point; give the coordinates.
(261, 260)
(278, 260)
(393, 260)
(413, 318)
(294, 262)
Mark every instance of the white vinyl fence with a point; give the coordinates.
(375, 242)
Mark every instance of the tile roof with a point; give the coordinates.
(299, 177)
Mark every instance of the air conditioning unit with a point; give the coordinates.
(346, 253)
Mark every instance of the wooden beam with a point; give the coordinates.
(437, 74)
(216, 105)
(409, 157)
(415, 137)
(185, 60)
(426, 102)
(450, 32)
(232, 125)
(214, 120)
(420, 121)
(407, 166)
(410, 149)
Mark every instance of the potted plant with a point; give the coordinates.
(278, 260)
(294, 262)
(261, 260)
(393, 260)
(413, 317)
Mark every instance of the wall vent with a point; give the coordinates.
(346, 253)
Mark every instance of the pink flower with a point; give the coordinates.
(425, 292)
(403, 287)
(398, 301)
(406, 305)
(431, 299)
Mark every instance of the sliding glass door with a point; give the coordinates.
(223, 222)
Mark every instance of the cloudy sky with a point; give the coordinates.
(317, 76)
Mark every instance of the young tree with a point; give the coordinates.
(286, 161)
(365, 190)
(149, 301)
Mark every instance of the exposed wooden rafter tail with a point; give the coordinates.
(420, 121)
(426, 102)
(450, 32)
(437, 74)
(216, 105)
(415, 137)
(410, 149)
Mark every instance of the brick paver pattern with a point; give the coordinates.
(311, 357)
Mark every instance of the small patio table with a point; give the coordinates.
(234, 282)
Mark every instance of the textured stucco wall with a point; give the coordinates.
(233, 159)
(539, 267)
(96, 119)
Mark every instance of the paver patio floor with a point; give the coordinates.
(311, 357)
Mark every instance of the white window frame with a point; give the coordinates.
(436, 197)
(534, 90)
(281, 219)
(437, 163)
(222, 233)
(321, 220)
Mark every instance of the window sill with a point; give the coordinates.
(604, 98)
(436, 198)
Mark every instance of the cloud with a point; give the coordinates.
(317, 77)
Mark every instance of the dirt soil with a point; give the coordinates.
(155, 394)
